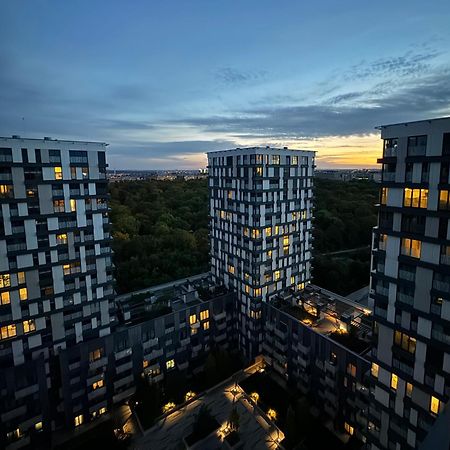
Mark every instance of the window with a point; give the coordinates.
(411, 247)
(382, 241)
(206, 325)
(277, 275)
(6, 190)
(102, 410)
(269, 254)
(8, 331)
(394, 381)
(417, 145)
(21, 277)
(231, 269)
(204, 314)
(78, 420)
(259, 171)
(275, 159)
(170, 364)
(349, 429)
(269, 231)
(98, 384)
(58, 173)
(58, 205)
(444, 200)
(374, 370)
(5, 280)
(435, 405)
(29, 326)
(145, 363)
(255, 233)
(285, 240)
(404, 341)
(415, 198)
(351, 369)
(390, 147)
(38, 426)
(192, 319)
(72, 268)
(384, 194)
(292, 279)
(95, 354)
(294, 160)
(61, 238)
(4, 298)
(85, 172)
(23, 293)
(257, 292)
(409, 388)
(73, 205)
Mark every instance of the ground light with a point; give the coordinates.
(189, 396)
(254, 396)
(168, 407)
(272, 414)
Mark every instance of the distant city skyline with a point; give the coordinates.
(164, 82)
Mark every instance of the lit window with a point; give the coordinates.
(96, 354)
(145, 363)
(269, 254)
(374, 370)
(29, 326)
(269, 231)
(246, 231)
(394, 381)
(23, 293)
(435, 404)
(255, 233)
(292, 279)
(61, 238)
(384, 194)
(73, 205)
(4, 298)
(102, 411)
(247, 289)
(404, 341)
(6, 190)
(170, 364)
(73, 173)
(411, 247)
(66, 269)
(285, 240)
(444, 200)
(21, 277)
(85, 172)
(294, 160)
(277, 229)
(257, 292)
(58, 205)
(231, 269)
(409, 388)
(286, 250)
(259, 171)
(98, 384)
(5, 280)
(351, 369)
(277, 275)
(78, 420)
(204, 314)
(275, 159)
(58, 173)
(8, 331)
(38, 426)
(415, 198)
(206, 325)
(349, 429)
(192, 319)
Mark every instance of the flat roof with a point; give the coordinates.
(255, 150)
(379, 127)
(49, 139)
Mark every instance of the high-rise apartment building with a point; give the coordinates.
(410, 285)
(261, 211)
(55, 269)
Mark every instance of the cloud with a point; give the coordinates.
(232, 76)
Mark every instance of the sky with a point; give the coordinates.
(165, 81)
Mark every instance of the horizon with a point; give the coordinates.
(163, 83)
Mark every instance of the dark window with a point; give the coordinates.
(24, 155)
(101, 158)
(446, 144)
(417, 145)
(37, 152)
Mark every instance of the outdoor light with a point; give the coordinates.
(189, 395)
(272, 414)
(254, 397)
(168, 407)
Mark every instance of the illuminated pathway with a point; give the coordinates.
(255, 431)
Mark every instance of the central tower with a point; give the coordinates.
(260, 218)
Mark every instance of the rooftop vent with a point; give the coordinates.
(15, 136)
(285, 148)
(47, 138)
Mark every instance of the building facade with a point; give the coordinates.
(260, 228)
(55, 270)
(410, 285)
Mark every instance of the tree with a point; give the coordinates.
(233, 420)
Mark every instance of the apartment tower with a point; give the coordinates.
(260, 219)
(410, 285)
(55, 271)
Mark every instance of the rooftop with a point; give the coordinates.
(262, 150)
(379, 127)
(48, 139)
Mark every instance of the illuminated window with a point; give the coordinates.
(444, 200)
(8, 331)
(247, 276)
(349, 429)
(246, 231)
(78, 420)
(61, 238)
(275, 159)
(222, 214)
(411, 247)
(292, 279)
(206, 325)
(102, 411)
(351, 369)
(277, 229)
(21, 277)
(204, 314)
(269, 254)
(38, 426)
(192, 319)
(415, 198)
(23, 293)
(58, 205)
(4, 298)
(394, 381)
(29, 326)
(409, 388)
(247, 289)
(374, 370)
(404, 341)
(384, 194)
(73, 173)
(435, 405)
(259, 171)
(170, 364)
(193, 331)
(85, 172)
(286, 250)
(231, 269)
(255, 234)
(301, 286)
(5, 280)
(269, 231)
(230, 194)
(6, 190)
(277, 275)
(71, 268)
(73, 205)
(294, 160)
(98, 384)
(145, 363)
(257, 292)
(285, 240)
(95, 354)
(58, 173)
